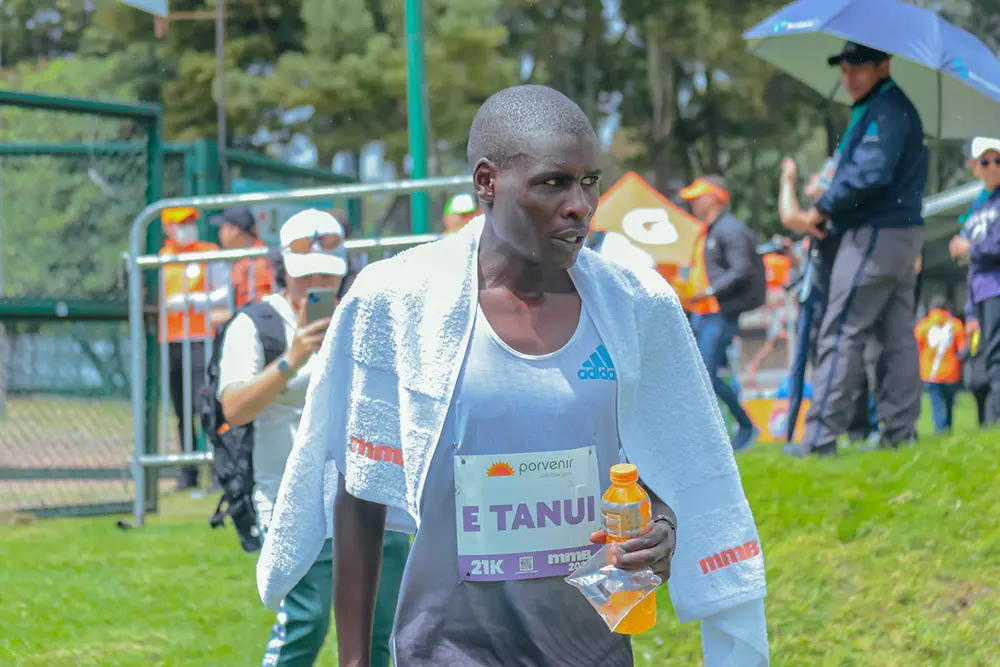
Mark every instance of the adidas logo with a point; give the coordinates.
(598, 367)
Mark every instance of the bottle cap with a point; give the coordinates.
(624, 473)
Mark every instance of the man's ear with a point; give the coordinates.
(484, 179)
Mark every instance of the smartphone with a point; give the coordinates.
(320, 303)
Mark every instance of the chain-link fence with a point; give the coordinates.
(73, 173)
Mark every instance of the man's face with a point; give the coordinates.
(989, 169)
(229, 235)
(858, 80)
(702, 207)
(543, 203)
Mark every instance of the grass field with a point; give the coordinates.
(883, 559)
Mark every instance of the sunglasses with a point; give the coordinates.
(988, 162)
(321, 242)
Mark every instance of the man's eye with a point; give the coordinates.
(591, 180)
(554, 182)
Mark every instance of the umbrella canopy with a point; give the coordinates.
(650, 221)
(950, 76)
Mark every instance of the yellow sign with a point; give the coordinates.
(649, 220)
(770, 416)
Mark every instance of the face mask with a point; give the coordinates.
(185, 234)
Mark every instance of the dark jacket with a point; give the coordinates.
(983, 231)
(883, 166)
(735, 271)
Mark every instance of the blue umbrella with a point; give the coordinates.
(950, 76)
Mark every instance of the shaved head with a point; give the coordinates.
(510, 120)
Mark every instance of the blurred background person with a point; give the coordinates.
(735, 285)
(979, 244)
(940, 339)
(196, 296)
(251, 279)
(459, 210)
(272, 396)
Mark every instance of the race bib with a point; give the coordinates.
(526, 516)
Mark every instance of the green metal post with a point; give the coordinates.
(154, 241)
(416, 88)
(208, 181)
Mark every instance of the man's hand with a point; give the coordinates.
(653, 549)
(789, 172)
(959, 247)
(307, 340)
(972, 326)
(698, 295)
(811, 223)
(813, 189)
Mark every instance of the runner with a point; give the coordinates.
(470, 382)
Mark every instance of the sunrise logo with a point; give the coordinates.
(500, 469)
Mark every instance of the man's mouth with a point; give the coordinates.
(571, 238)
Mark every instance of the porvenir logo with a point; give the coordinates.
(500, 469)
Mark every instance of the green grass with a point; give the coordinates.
(881, 559)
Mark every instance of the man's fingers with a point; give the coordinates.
(319, 325)
(598, 537)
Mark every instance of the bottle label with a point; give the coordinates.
(623, 521)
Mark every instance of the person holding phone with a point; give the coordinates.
(310, 273)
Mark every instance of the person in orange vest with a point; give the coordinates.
(238, 229)
(778, 272)
(190, 315)
(940, 339)
(728, 280)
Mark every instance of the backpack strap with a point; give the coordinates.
(270, 329)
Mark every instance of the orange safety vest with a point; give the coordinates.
(940, 337)
(777, 269)
(263, 279)
(174, 277)
(698, 278)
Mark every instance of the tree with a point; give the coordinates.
(353, 72)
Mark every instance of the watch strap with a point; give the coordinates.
(284, 368)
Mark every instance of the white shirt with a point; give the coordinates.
(507, 404)
(274, 428)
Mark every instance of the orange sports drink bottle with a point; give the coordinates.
(626, 513)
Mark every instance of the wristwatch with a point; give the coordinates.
(285, 369)
(667, 520)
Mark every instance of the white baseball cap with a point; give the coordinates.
(982, 144)
(313, 223)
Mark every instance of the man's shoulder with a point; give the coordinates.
(896, 102)
(408, 272)
(731, 225)
(641, 281)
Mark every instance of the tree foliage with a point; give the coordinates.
(674, 78)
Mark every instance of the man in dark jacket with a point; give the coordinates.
(873, 203)
(736, 284)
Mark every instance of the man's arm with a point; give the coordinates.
(739, 248)
(358, 529)
(870, 168)
(987, 248)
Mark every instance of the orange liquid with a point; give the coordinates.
(622, 524)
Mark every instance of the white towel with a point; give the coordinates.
(391, 360)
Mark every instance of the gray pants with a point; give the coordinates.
(871, 295)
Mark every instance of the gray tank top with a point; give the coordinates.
(512, 493)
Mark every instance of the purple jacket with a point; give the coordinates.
(983, 230)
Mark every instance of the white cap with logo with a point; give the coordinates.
(313, 224)
(982, 144)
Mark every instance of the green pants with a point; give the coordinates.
(304, 617)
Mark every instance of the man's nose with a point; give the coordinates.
(578, 205)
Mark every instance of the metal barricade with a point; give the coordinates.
(364, 251)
